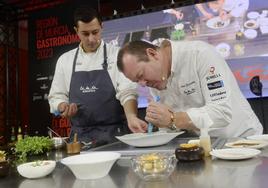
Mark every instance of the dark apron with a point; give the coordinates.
(100, 116)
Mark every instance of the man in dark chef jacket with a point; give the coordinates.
(88, 88)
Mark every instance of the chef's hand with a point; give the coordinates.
(224, 15)
(158, 114)
(136, 125)
(67, 110)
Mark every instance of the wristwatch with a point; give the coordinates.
(172, 124)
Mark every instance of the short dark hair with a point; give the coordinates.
(85, 14)
(136, 48)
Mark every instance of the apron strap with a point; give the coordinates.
(75, 58)
(105, 64)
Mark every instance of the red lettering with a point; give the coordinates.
(48, 22)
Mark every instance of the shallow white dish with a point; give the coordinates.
(91, 165)
(263, 137)
(148, 139)
(250, 33)
(247, 144)
(36, 169)
(217, 23)
(253, 15)
(235, 153)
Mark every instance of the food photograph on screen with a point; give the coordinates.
(238, 29)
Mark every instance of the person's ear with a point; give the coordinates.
(75, 28)
(151, 53)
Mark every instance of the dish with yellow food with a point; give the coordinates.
(155, 166)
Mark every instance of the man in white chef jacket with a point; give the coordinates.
(196, 87)
(88, 88)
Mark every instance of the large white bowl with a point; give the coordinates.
(36, 169)
(148, 139)
(92, 165)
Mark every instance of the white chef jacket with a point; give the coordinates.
(236, 7)
(202, 85)
(59, 91)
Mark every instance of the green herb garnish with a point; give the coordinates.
(32, 146)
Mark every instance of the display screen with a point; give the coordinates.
(237, 28)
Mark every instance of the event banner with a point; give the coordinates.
(51, 34)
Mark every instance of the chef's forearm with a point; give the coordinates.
(130, 108)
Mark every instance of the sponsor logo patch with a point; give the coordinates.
(220, 98)
(213, 76)
(215, 85)
(218, 93)
(212, 70)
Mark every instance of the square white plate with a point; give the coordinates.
(148, 139)
(235, 153)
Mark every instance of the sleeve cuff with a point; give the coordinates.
(199, 117)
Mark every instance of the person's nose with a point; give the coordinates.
(91, 38)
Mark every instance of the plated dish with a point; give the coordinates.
(36, 169)
(251, 24)
(148, 139)
(235, 153)
(247, 144)
(217, 23)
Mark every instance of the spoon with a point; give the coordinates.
(56, 134)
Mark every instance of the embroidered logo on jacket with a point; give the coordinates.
(215, 85)
(88, 89)
(189, 91)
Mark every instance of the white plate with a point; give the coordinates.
(247, 144)
(235, 153)
(251, 24)
(263, 137)
(253, 15)
(147, 140)
(217, 23)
